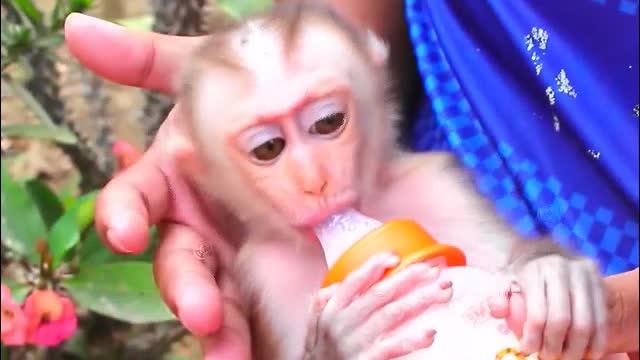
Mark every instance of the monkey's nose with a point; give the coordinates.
(317, 190)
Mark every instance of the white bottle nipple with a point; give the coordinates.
(340, 231)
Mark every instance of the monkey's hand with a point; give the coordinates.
(561, 311)
(362, 319)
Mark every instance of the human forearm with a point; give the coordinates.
(623, 311)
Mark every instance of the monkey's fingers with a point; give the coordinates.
(556, 273)
(388, 290)
(394, 315)
(152, 60)
(314, 331)
(403, 343)
(599, 341)
(183, 270)
(533, 286)
(359, 281)
(582, 323)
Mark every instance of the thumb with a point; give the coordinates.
(510, 306)
(232, 340)
(517, 313)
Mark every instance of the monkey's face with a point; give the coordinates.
(295, 127)
(304, 161)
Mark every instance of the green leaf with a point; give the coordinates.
(142, 23)
(22, 225)
(70, 189)
(47, 201)
(66, 232)
(41, 132)
(65, 7)
(93, 252)
(18, 291)
(16, 40)
(24, 94)
(79, 5)
(84, 208)
(125, 291)
(239, 9)
(50, 41)
(28, 8)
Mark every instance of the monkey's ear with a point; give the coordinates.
(377, 48)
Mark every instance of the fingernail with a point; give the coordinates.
(90, 21)
(121, 224)
(392, 261)
(430, 333)
(445, 296)
(185, 305)
(446, 284)
(434, 271)
(115, 241)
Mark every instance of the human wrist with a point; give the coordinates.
(622, 303)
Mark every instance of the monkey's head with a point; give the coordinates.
(289, 113)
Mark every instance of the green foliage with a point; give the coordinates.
(122, 287)
(22, 225)
(57, 134)
(142, 23)
(68, 229)
(26, 35)
(45, 129)
(63, 8)
(242, 8)
(46, 200)
(124, 291)
(29, 10)
(32, 16)
(50, 235)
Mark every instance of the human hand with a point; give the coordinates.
(188, 267)
(361, 318)
(559, 308)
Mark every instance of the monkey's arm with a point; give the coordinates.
(450, 208)
(566, 312)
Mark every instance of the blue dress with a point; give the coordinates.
(540, 99)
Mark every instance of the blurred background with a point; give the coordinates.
(59, 124)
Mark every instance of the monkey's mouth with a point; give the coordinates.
(310, 218)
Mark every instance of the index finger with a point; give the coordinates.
(147, 60)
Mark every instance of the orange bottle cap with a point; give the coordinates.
(405, 238)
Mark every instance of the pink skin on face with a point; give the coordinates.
(294, 129)
(313, 174)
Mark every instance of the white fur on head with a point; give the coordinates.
(378, 49)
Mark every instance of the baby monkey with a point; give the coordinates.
(289, 118)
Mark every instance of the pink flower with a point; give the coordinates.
(52, 317)
(125, 153)
(14, 323)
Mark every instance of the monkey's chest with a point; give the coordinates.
(285, 282)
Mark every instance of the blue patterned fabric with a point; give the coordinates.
(539, 98)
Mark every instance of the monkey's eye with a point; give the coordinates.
(328, 124)
(263, 143)
(324, 117)
(268, 150)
